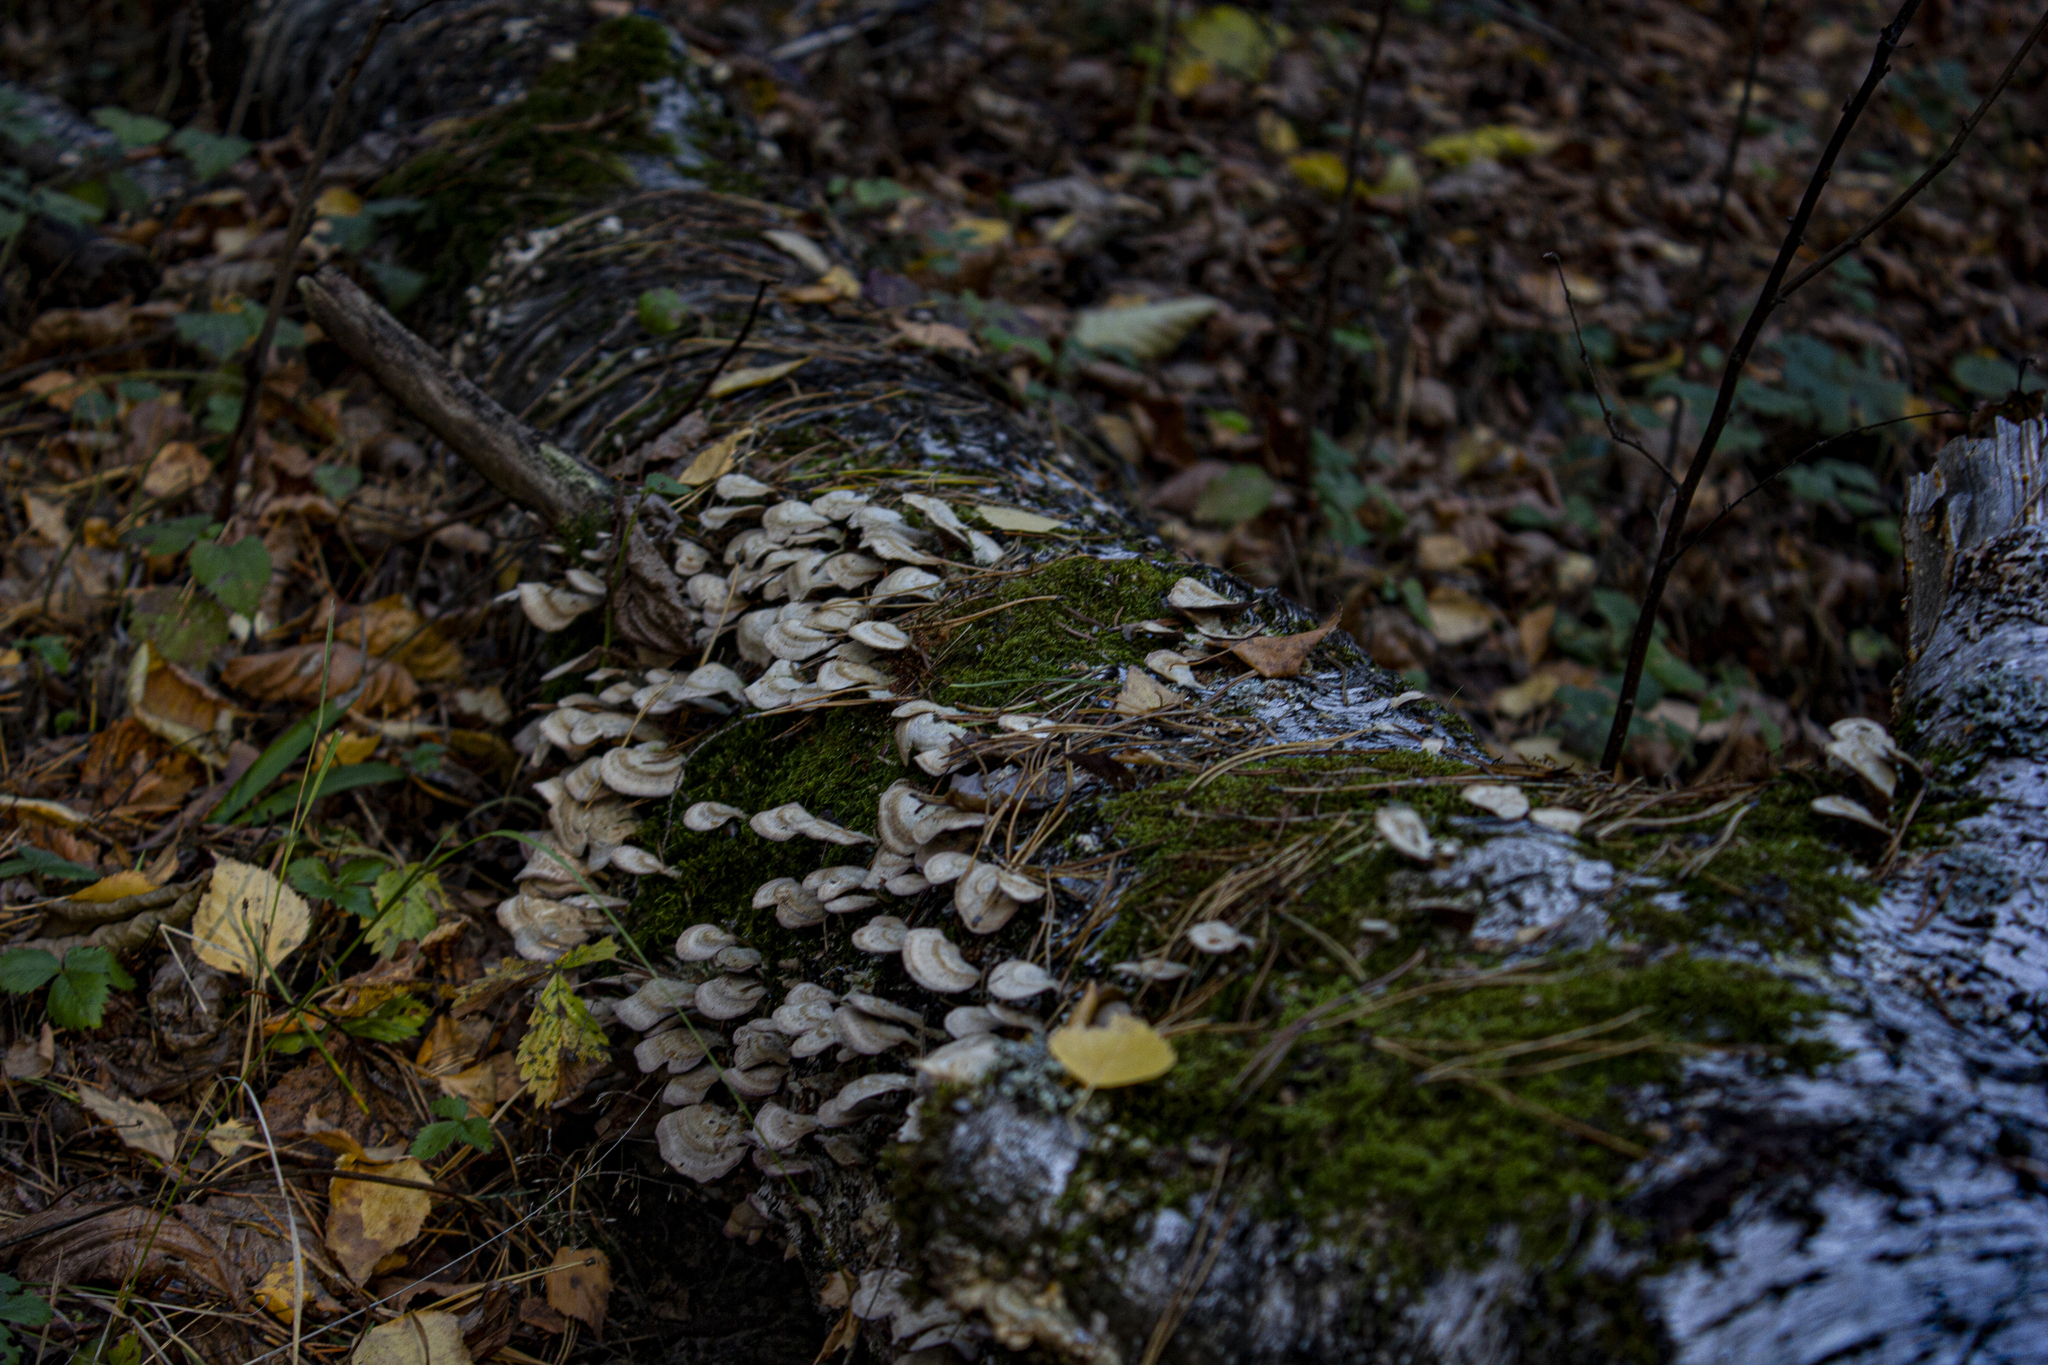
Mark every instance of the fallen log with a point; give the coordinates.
(968, 806)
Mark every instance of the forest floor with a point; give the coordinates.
(1423, 428)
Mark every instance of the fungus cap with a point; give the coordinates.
(702, 942)
(935, 964)
(702, 1142)
(729, 997)
(1017, 979)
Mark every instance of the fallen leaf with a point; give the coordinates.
(302, 674)
(1281, 656)
(1403, 828)
(173, 704)
(1490, 142)
(368, 1220)
(754, 377)
(1534, 629)
(1842, 808)
(1017, 519)
(46, 519)
(1145, 331)
(845, 1334)
(1498, 798)
(228, 1138)
(177, 469)
(800, 249)
(390, 628)
(345, 748)
(1441, 554)
(129, 883)
(30, 1057)
(937, 336)
(279, 1290)
(1559, 818)
(1125, 1051)
(1142, 694)
(1526, 696)
(140, 1124)
(832, 286)
(579, 1285)
(487, 1084)
(336, 202)
(428, 1337)
(1457, 617)
(122, 1246)
(247, 918)
(714, 460)
(979, 234)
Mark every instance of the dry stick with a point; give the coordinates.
(1326, 324)
(1706, 270)
(1738, 359)
(1613, 426)
(294, 233)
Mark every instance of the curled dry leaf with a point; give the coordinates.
(369, 1220)
(1143, 694)
(754, 377)
(1124, 1051)
(1499, 799)
(579, 1285)
(140, 1124)
(1281, 656)
(1403, 828)
(304, 673)
(174, 705)
(248, 919)
(428, 1337)
(128, 883)
(1842, 808)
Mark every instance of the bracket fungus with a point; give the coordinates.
(702, 1142)
(935, 964)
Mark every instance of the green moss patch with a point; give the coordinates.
(554, 152)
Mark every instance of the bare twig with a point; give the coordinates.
(746, 329)
(1332, 263)
(1738, 359)
(1613, 427)
(295, 233)
(1706, 268)
(1905, 196)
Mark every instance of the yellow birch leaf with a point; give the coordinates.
(715, 459)
(367, 1220)
(754, 377)
(129, 883)
(429, 1337)
(248, 919)
(141, 1125)
(1125, 1051)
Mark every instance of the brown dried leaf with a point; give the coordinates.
(487, 1084)
(122, 1246)
(368, 1221)
(294, 675)
(1281, 656)
(1143, 694)
(579, 1285)
(29, 1058)
(391, 629)
(177, 469)
(171, 703)
(141, 1125)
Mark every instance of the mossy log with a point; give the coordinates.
(1701, 1075)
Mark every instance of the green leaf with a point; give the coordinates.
(393, 1020)
(1356, 342)
(437, 1138)
(209, 153)
(78, 999)
(346, 777)
(220, 335)
(180, 626)
(1417, 604)
(1991, 376)
(27, 969)
(131, 130)
(1237, 495)
(223, 412)
(661, 311)
(173, 536)
(399, 285)
(406, 908)
(50, 649)
(604, 950)
(666, 486)
(1672, 673)
(88, 958)
(43, 863)
(283, 750)
(235, 574)
(449, 1107)
(20, 1307)
(353, 233)
(337, 481)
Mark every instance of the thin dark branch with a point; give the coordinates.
(1731, 372)
(1332, 263)
(1613, 426)
(725, 358)
(287, 269)
(1697, 536)
(1698, 292)
(1941, 163)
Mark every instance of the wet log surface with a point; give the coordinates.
(1688, 1081)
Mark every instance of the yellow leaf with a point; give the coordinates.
(1526, 696)
(1276, 134)
(1125, 1051)
(1232, 40)
(336, 202)
(130, 883)
(345, 748)
(978, 234)
(1490, 142)
(1457, 618)
(715, 459)
(800, 249)
(248, 919)
(739, 381)
(1017, 519)
(227, 1138)
(1146, 331)
(368, 1221)
(937, 336)
(1188, 77)
(429, 1337)
(279, 1290)
(141, 1125)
